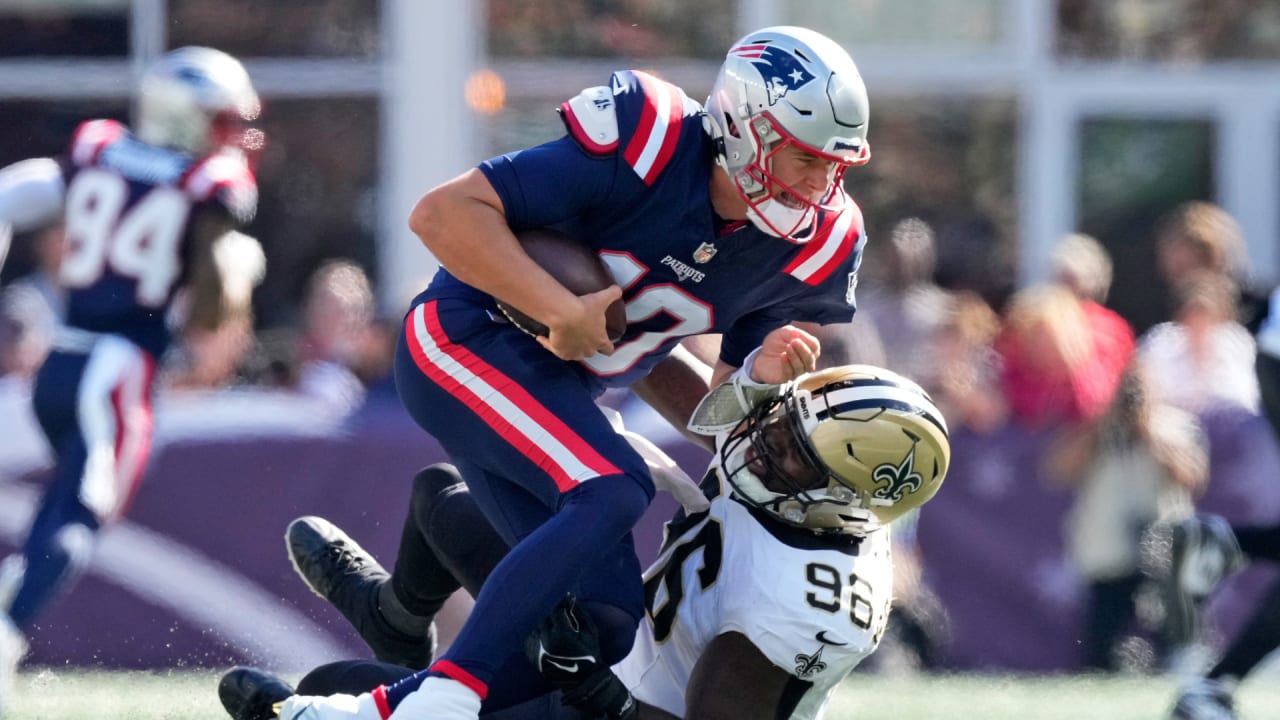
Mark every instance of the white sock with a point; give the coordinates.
(330, 707)
(439, 698)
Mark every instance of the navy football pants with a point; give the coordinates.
(95, 409)
(544, 465)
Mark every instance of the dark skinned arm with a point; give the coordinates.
(674, 388)
(209, 305)
(733, 680)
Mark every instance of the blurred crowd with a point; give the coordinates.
(338, 352)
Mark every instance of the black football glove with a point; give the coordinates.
(566, 650)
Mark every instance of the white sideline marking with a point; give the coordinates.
(194, 587)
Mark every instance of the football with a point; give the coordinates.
(576, 266)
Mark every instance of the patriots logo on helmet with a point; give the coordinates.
(781, 71)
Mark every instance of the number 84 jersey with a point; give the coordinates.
(130, 211)
(813, 605)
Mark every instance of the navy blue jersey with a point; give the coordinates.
(129, 217)
(641, 197)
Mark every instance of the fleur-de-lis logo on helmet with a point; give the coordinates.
(898, 479)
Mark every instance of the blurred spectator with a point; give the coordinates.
(210, 359)
(1051, 371)
(1198, 236)
(902, 301)
(338, 315)
(1136, 466)
(375, 358)
(967, 388)
(26, 332)
(1203, 359)
(46, 248)
(1081, 264)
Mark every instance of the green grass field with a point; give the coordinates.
(190, 695)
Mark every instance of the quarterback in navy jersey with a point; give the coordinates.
(729, 218)
(150, 217)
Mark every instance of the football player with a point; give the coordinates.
(729, 218)
(150, 216)
(756, 607)
(1207, 548)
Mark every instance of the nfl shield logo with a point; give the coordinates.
(705, 252)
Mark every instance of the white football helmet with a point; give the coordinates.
(845, 450)
(198, 100)
(787, 86)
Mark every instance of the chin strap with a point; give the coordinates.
(730, 402)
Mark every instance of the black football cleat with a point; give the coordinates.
(251, 694)
(337, 569)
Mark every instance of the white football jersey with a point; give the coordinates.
(815, 606)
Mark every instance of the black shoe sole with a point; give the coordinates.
(248, 693)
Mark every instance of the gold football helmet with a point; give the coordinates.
(844, 450)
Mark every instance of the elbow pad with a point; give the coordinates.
(31, 193)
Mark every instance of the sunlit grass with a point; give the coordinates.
(43, 694)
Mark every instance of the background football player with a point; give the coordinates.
(756, 607)
(147, 213)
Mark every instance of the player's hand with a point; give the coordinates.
(786, 353)
(581, 331)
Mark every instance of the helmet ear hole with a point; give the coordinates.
(731, 127)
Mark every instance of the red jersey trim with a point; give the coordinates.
(654, 142)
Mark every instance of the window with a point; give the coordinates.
(71, 28)
(1183, 30)
(949, 162)
(933, 23)
(1132, 171)
(253, 28)
(611, 28)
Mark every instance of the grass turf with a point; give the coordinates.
(48, 694)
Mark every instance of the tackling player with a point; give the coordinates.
(148, 213)
(755, 608)
(726, 219)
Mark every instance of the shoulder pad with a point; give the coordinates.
(227, 179)
(638, 114)
(651, 115)
(91, 137)
(592, 120)
(837, 236)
